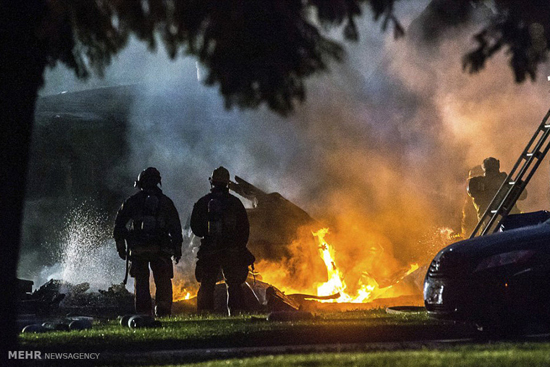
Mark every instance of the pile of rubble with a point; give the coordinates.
(56, 303)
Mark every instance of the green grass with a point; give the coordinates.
(197, 332)
(362, 327)
(499, 355)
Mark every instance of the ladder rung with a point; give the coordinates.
(535, 154)
(546, 126)
(511, 182)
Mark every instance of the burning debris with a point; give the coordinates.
(259, 296)
(297, 267)
(285, 238)
(368, 290)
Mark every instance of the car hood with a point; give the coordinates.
(517, 239)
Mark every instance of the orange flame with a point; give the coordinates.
(181, 288)
(180, 295)
(335, 283)
(280, 273)
(368, 286)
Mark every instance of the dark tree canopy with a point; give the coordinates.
(521, 28)
(255, 50)
(263, 50)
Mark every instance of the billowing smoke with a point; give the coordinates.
(379, 153)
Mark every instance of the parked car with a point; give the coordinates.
(498, 280)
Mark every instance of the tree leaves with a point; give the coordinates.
(262, 51)
(520, 26)
(256, 50)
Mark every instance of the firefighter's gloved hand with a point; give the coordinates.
(121, 248)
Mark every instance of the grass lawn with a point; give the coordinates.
(362, 328)
(497, 355)
(214, 332)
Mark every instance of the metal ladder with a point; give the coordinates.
(514, 184)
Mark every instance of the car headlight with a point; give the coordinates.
(433, 291)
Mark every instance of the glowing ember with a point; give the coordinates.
(448, 234)
(181, 289)
(181, 295)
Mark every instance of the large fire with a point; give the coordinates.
(336, 283)
(365, 289)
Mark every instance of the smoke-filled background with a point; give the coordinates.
(379, 152)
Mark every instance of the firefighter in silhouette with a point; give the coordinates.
(482, 189)
(148, 230)
(221, 220)
(469, 210)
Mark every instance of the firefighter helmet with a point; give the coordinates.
(220, 176)
(149, 177)
(491, 164)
